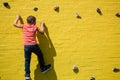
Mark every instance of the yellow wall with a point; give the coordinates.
(92, 42)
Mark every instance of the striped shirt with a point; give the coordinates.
(29, 34)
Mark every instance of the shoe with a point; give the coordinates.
(46, 68)
(27, 76)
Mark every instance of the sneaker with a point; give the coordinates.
(27, 76)
(46, 68)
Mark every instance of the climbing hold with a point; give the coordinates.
(92, 78)
(56, 8)
(35, 8)
(118, 14)
(99, 11)
(75, 69)
(116, 69)
(6, 4)
(78, 16)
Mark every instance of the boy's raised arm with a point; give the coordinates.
(41, 30)
(16, 21)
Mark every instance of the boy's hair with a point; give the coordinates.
(31, 19)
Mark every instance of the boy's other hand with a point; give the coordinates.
(42, 23)
(18, 16)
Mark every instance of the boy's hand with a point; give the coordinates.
(42, 27)
(42, 24)
(16, 21)
(18, 16)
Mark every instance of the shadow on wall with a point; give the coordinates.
(49, 53)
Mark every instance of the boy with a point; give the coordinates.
(30, 43)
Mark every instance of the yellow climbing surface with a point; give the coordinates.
(91, 42)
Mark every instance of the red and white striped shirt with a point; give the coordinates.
(29, 34)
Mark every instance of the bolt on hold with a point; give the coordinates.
(116, 69)
(75, 69)
(92, 78)
(6, 4)
(56, 8)
(78, 16)
(118, 14)
(35, 8)
(99, 11)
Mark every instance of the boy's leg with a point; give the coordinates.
(27, 55)
(39, 54)
(37, 51)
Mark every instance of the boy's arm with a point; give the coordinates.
(16, 22)
(41, 30)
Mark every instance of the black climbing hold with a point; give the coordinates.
(75, 69)
(99, 11)
(35, 9)
(78, 16)
(92, 78)
(116, 70)
(118, 14)
(6, 4)
(56, 8)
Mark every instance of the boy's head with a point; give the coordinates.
(31, 20)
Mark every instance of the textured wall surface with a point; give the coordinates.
(92, 42)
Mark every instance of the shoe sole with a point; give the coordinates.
(27, 78)
(47, 70)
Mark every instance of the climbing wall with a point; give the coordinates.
(81, 40)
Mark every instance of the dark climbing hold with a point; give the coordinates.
(75, 69)
(118, 14)
(116, 70)
(78, 16)
(56, 8)
(35, 9)
(6, 4)
(99, 11)
(92, 78)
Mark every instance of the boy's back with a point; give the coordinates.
(29, 34)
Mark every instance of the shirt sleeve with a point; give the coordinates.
(21, 26)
